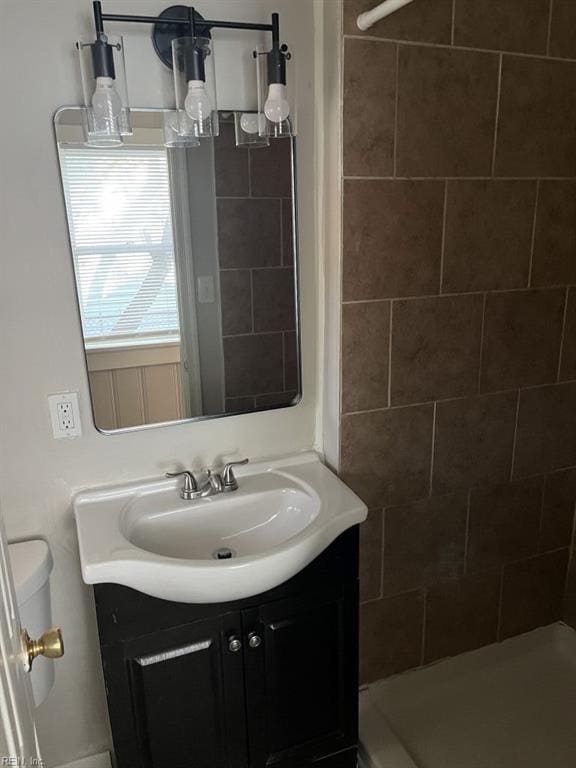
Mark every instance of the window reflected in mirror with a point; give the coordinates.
(185, 266)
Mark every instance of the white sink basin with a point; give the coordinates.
(284, 514)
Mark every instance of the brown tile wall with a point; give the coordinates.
(458, 422)
(254, 206)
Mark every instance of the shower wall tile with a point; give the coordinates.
(546, 437)
(274, 308)
(424, 542)
(536, 135)
(488, 235)
(275, 399)
(558, 510)
(386, 454)
(563, 29)
(236, 298)
(522, 336)
(504, 523)
(533, 593)
(569, 607)
(287, 234)
(230, 166)
(446, 111)
(427, 21)
(555, 243)
(435, 348)
(253, 364)
(270, 170)
(473, 441)
(248, 233)
(390, 635)
(392, 238)
(371, 556)
(369, 106)
(365, 342)
(568, 367)
(461, 615)
(507, 25)
(458, 411)
(291, 361)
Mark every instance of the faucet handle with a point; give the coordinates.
(190, 487)
(229, 482)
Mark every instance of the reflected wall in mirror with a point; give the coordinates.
(185, 265)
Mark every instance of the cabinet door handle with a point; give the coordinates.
(254, 640)
(234, 644)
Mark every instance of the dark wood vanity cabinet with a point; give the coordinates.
(270, 680)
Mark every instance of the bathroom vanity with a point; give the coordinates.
(268, 680)
(241, 662)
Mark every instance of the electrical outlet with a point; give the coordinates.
(65, 414)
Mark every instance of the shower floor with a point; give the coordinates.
(509, 705)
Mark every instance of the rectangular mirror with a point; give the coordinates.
(186, 272)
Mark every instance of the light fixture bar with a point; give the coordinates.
(100, 17)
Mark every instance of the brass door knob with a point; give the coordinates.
(50, 645)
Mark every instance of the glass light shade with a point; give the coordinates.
(107, 112)
(247, 126)
(276, 101)
(195, 84)
(179, 129)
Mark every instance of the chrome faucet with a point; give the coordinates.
(215, 484)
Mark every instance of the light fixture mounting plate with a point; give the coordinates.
(164, 32)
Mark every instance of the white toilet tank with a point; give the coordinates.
(31, 567)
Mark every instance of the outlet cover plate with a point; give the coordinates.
(65, 414)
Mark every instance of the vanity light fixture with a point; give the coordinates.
(249, 129)
(275, 104)
(107, 115)
(182, 40)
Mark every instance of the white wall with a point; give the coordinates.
(40, 341)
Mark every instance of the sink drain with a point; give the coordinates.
(223, 553)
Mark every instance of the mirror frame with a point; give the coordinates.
(297, 303)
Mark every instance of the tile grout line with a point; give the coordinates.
(284, 377)
(541, 523)
(500, 601)
(390, 322)
(415, 177)
(251, 302)
(549, 31)
(517, 419)
(534, 229)
(563, 335)
(464, 48)
(477, 572)
(481, 360)
(459, 397)
(432, 450)
(443, 243)
(249, 173)
(424, 620)
(571, 554)
(382, 543)
(467, 530)
(523, 288)
(396, 101)
(497, 117)
(536, 555)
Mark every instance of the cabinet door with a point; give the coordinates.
(302, 678)
(176, 698)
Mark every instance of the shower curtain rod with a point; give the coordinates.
(368, 19)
